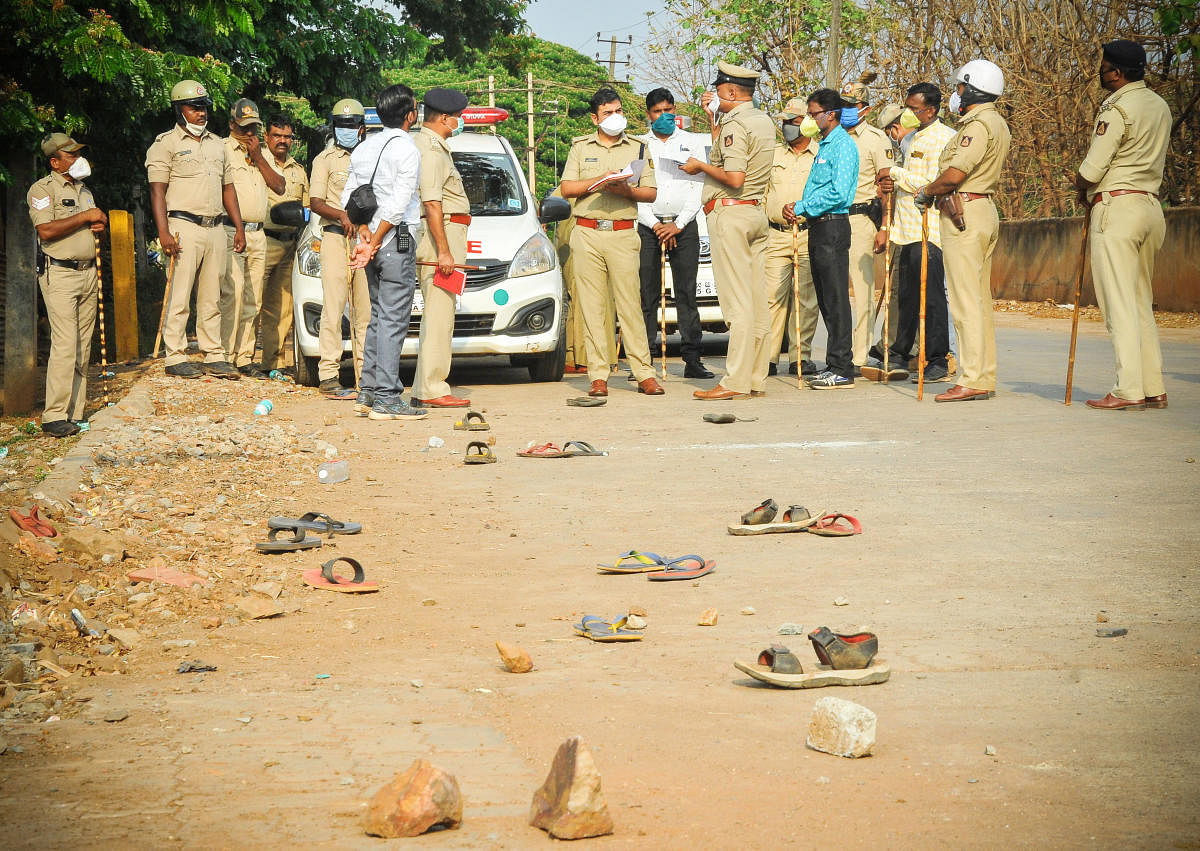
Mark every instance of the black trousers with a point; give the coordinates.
(937, 316)
(829, 259)
(685, 260)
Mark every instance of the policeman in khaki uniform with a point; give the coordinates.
(789, 172)
(330, 169)
(605, 246)
(191, 194)
(65, 218)
(281, 243)
(1120, 179)
(242, 281)
(445, 214)
(971, 164)
(736, 177)
(576, 345)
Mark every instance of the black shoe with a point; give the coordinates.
(792, 369)
(187, 369)
(772, 369)
(933, 372)
(60, 428)
(222, 369)
(253, 370)
(808, 368)
(696, 369)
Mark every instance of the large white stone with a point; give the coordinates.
(842, 728)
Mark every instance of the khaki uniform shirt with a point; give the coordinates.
(440, 180)
(330, 169)
(295, 189)
(874, 155)
(590, 160)
(1129, 142)
(248, 182)
(788, 176)
(55, 197)
(979, 149)
(195, 170)
(745, 142)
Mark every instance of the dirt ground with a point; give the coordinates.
(997, 538)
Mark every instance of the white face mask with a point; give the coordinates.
(614, 125)
(80, 169)
(714, 105)
(955, 104)
(196, 130)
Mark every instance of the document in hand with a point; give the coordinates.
(452, 283)
(632, 171)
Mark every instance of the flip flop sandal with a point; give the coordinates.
(481, 455)
(797, 518)
(587, 402)
(579, 449)
(542, 450)
(844, 652)
(835, 526)
(684, 567)
(327, 580)
(314, 521)
(472, 421)
(605, 631)
(763, 513)
(32, 523)
(299, 541)
(727, 418)
(639, 563)
(819, 678)
(779, 660)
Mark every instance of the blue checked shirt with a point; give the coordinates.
(833, 179)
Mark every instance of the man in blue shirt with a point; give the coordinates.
(825, 207)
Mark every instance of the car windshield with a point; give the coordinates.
(491, 183)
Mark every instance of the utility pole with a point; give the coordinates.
(612, 62)
(492, 98)
(833, 71)
(529, 130)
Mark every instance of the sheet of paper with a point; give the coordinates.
(633, 172)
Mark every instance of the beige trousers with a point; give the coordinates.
(738, 236)
(576, 345)
(241, 295)
(862, 284)
(199, 267)
(1127, 232)
(437, 318)
(605, 266)
(70, 297)
(781, 305)
(967, 259)
(335, 293)
(277, 302)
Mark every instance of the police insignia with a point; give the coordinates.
(1101, 128)
(39, 203)
(728, 140)
(888, 153)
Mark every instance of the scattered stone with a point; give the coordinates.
(570, 804)
(105, 649)
(1101, 618)
(268, 589)
(245, 719)
(254, 608)
(708, 618)
(413, 683)
(210, 622)
(749, 610)
(196, 667)
(515, 659)
(178, 643)
(842, 728)
(156, 570)
(420, 798)
(27, 649)
(88, 540)
(988, 750)
(822, 781)
(635, 622)
(38, 549)
(841, 601)
(127, 638)
(140, 598)
(115, 715)
(790, 629)
(429, 601)
(1111, 631)
(640, 611)
(13, 672)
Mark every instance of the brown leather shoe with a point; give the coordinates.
(650, 387)
(599, 388)
(958, 393)
(1116, 403)
(718, 394)
(756, 393)
(1159, 401)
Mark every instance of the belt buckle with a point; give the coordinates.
(604, 224)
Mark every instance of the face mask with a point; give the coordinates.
(955, 104)
(664, 125)
(809, 127)
(791, 133)
(347, 137)
(459, 128)
(614, 125)
(80, 169)
(850, 117)
(714, 105)
(909, 120)
(195, 129)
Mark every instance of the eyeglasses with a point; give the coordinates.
(820, 112)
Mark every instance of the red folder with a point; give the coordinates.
(452, 283)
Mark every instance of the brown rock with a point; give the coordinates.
(13, 672)
(570, 804)
(36, 548)
(421, 797)
(88, 540)
(210, 622)
(515, 659)
(127, 638)
(708, 618)
(640, 611)
(257, 607)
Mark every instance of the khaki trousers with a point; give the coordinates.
(437, 318)
(576, 345)
(738, 236)
(335, 293)
(606, 271)
(1127, 232)
(781, 305)
(200, 265)
(70, 297)
(241, 295)
(862, 284)
(967, 260)
(277, 302)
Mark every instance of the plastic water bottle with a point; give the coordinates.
(277, 375)
(332, 472)
(263, 408)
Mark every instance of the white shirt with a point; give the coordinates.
(396, 181)
(678, 193)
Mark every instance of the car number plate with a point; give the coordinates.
(706, 288)
(418, 304)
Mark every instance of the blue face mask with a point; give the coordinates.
(346, 137)
(664, 125)
(850, 117)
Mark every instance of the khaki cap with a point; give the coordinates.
(348, 108)
(889, 115)
(245, 112)
(727, 72)
(794, 108)
(856, 92)
(55, 142)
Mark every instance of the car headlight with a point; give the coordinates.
(308, 257)
(535, 256)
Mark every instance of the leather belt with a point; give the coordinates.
(247, 226)
(787, 228)
(279, 235)
(728, 202)
(605, 224)
(860, 209)
(828, 217)
(77, 265)
(338, 229)
(203, 221)
(459, 218)
(973, 196)
(1113, 193)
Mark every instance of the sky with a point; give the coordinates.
(576, 23)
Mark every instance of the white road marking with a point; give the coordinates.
(804, 444)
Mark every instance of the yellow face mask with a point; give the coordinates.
(809, 127)
(909, 120)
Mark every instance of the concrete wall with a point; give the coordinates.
(1038, 259)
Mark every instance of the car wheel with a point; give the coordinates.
(549, 366)
(306, 367)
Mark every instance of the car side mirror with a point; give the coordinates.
(290, 214)
(554, 209)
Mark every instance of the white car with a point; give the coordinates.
(512, 306)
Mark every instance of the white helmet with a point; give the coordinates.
(982, 75)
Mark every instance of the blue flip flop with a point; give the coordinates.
(638, 562)
(684, 567)
(604, 630)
